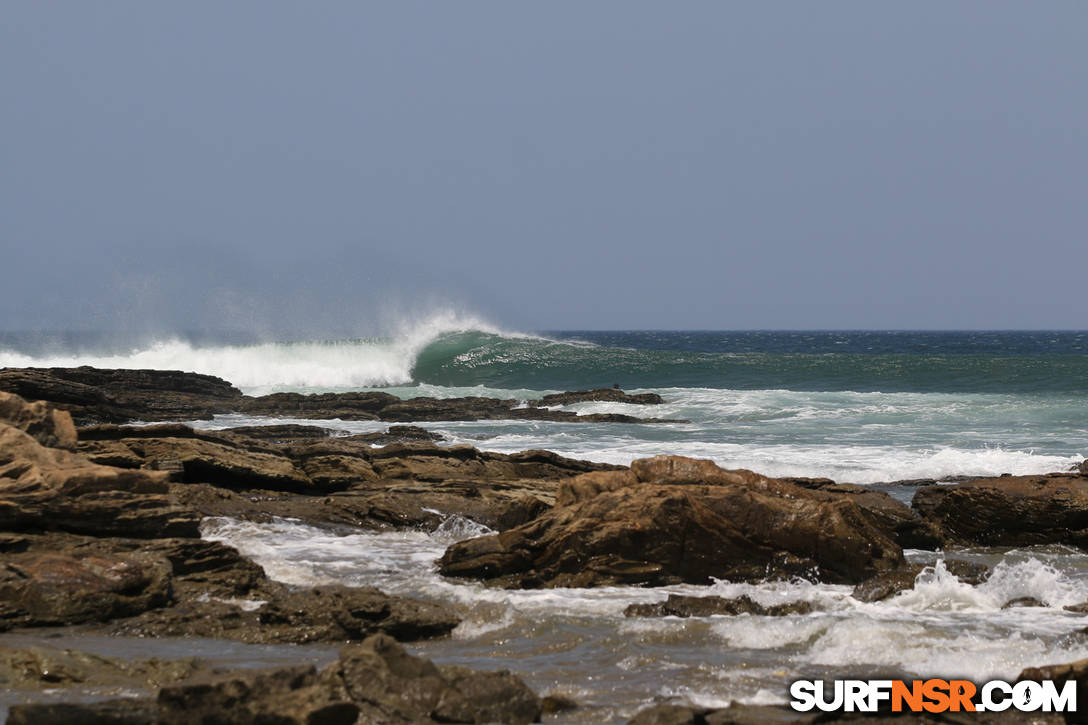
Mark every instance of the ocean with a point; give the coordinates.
(867, 407)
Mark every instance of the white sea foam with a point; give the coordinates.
(266, 367)
(942, 628)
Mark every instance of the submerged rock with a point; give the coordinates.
(41, 667)
(672, 519)
(604, 395)
(888, 584)
(684, 606)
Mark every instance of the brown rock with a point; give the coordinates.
(744, 527)
(1010, 511)
(284, 615)
(590, 485)
(288, 695)
(44, 423)
(666, 714)
(1060, 674)
(375, 681)
(607, 395)
(281, 434)
(39, 589)
(96, 395)
(122, 711)
(345, 406)
(684, 606)
(888, 584)
(40, 667)
(905, 525)
(683, 470)
(50, 489)
(404, 688)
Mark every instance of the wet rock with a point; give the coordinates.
(470, 408)
(1081, 608)
(404, 688)
(555, 704)
(905, 525)
(345, 406)
(1060, 674)
(1023, 602)
(281, 434)
(289, 695)
(51, 489)
(684, 606)
(117, 396)
(1010, 511)
(122, 711)
(97, 395)
(968, 572)
(203, 568)
(737, 714)
(605, 395)
(742, 527)
(398, 434)
(374, 681)
(42, 589)
(666, 714)
(278, 614)
(888, 584)
(568, 416)
(40, 667)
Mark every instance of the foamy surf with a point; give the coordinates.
(281, 366)
(553, 637)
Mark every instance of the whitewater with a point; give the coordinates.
(863, 407)
(876, 408)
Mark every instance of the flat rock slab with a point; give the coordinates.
(374, 681)
(94, 395)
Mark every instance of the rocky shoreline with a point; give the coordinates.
(100, 532)
(94, 395)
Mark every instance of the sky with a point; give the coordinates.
(300, 168)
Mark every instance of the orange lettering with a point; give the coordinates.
(936, 691)
(961, 692)
(912, 695)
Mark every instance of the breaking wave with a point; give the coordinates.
(454, 350)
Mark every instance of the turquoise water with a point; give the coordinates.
(856, 406)
(867, 407)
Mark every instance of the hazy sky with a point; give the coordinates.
(717, 165)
